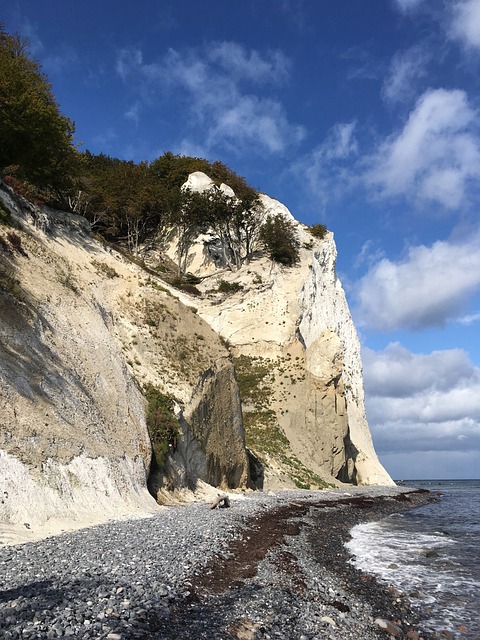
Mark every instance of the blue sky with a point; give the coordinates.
(360, 115)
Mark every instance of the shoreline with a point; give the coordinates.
(272, 566)
(301, 543)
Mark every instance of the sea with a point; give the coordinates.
(431, 553)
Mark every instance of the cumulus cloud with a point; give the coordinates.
(255, 121)
(215, 82)
(396, 372)
(422, 402)
(465, 23)
(435, 156)
(405, 69)
(327, 170)
(431, 286)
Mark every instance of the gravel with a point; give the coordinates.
(272, 566)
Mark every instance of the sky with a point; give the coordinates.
(361, 115)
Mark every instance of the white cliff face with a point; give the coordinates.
(300, 314)
(81, 329)
(324, 308)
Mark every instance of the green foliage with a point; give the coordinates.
(122, 200)
(173, 170)
(134, 202)
(280, 239)
(36, 140)
(5, 217)
(162, 423)
(183, 284)
(318, 231)
(126, 202)
(253, 376)
(229, 287)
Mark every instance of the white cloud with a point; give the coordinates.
(435, 157)
(239, 62)
(254, 121)
(422, 402)
(407, 5)
(429, 287)
(465, 24)
(469, 319)
(128, 60)
(326, 170)
(133, 113)
(218, 105)
(406, 68)
(369, 254)
(397, 372)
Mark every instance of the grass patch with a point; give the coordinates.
(104, 269)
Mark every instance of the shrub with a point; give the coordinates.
(190, 288)
(4, 215)
(229, 287)
(280, 239)
(16, 241)
(162, 423)
(318, 231)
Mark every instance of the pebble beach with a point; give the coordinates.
(271, 566)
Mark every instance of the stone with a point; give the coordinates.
(389, 627)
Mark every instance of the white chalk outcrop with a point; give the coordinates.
(298, 315)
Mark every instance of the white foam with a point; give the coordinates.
(401, 558)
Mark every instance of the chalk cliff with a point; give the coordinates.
(296, 321)
(83, 329)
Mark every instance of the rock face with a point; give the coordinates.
(297, 321)
(81, 329)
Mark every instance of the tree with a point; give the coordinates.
(237, 223)
(35, 138)
(188, 216)
(280, 239)
(122, 199)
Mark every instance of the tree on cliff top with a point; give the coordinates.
(36, 140)
(280, 239)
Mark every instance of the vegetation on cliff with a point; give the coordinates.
(36, 139)
(125, 202)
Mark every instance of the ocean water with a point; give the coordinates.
(431, 553)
